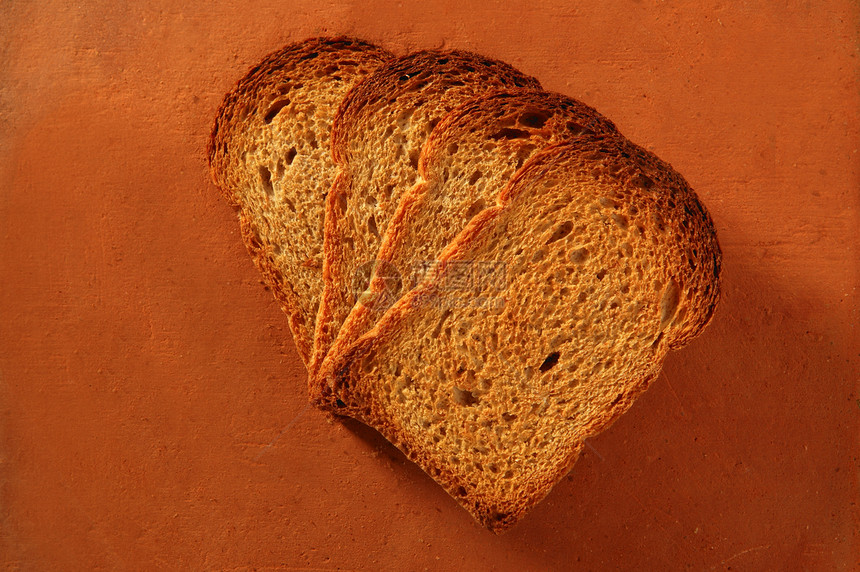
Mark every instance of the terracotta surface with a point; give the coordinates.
(153, 405)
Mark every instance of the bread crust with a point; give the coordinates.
(688, 247)
(425, 85)
(314, 71)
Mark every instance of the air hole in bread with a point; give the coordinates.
(533, 118)
(413, 158)
(473, 178)
(643, 181)
(601, 273)
(550, 362)
(508, 474)
(274, 109)
(461, 491)
(266, 180)
(475, 208)
(560, 231)
(291, 154)
(538, 255)
(309, 56)
(577, 129)
(404, 119)
(509, 133)
(508, 417)
(579, 256)
(289, 204)
(464, 397)
(620, 220)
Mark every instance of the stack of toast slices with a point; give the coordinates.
(485, 272)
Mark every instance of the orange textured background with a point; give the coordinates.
(152, 405)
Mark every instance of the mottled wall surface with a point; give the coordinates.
(152, 405)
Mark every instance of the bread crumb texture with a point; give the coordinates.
(609, 260)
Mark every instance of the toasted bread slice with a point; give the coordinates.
(542, 322)
(467, 161)
(377, 139)
(269, 154)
